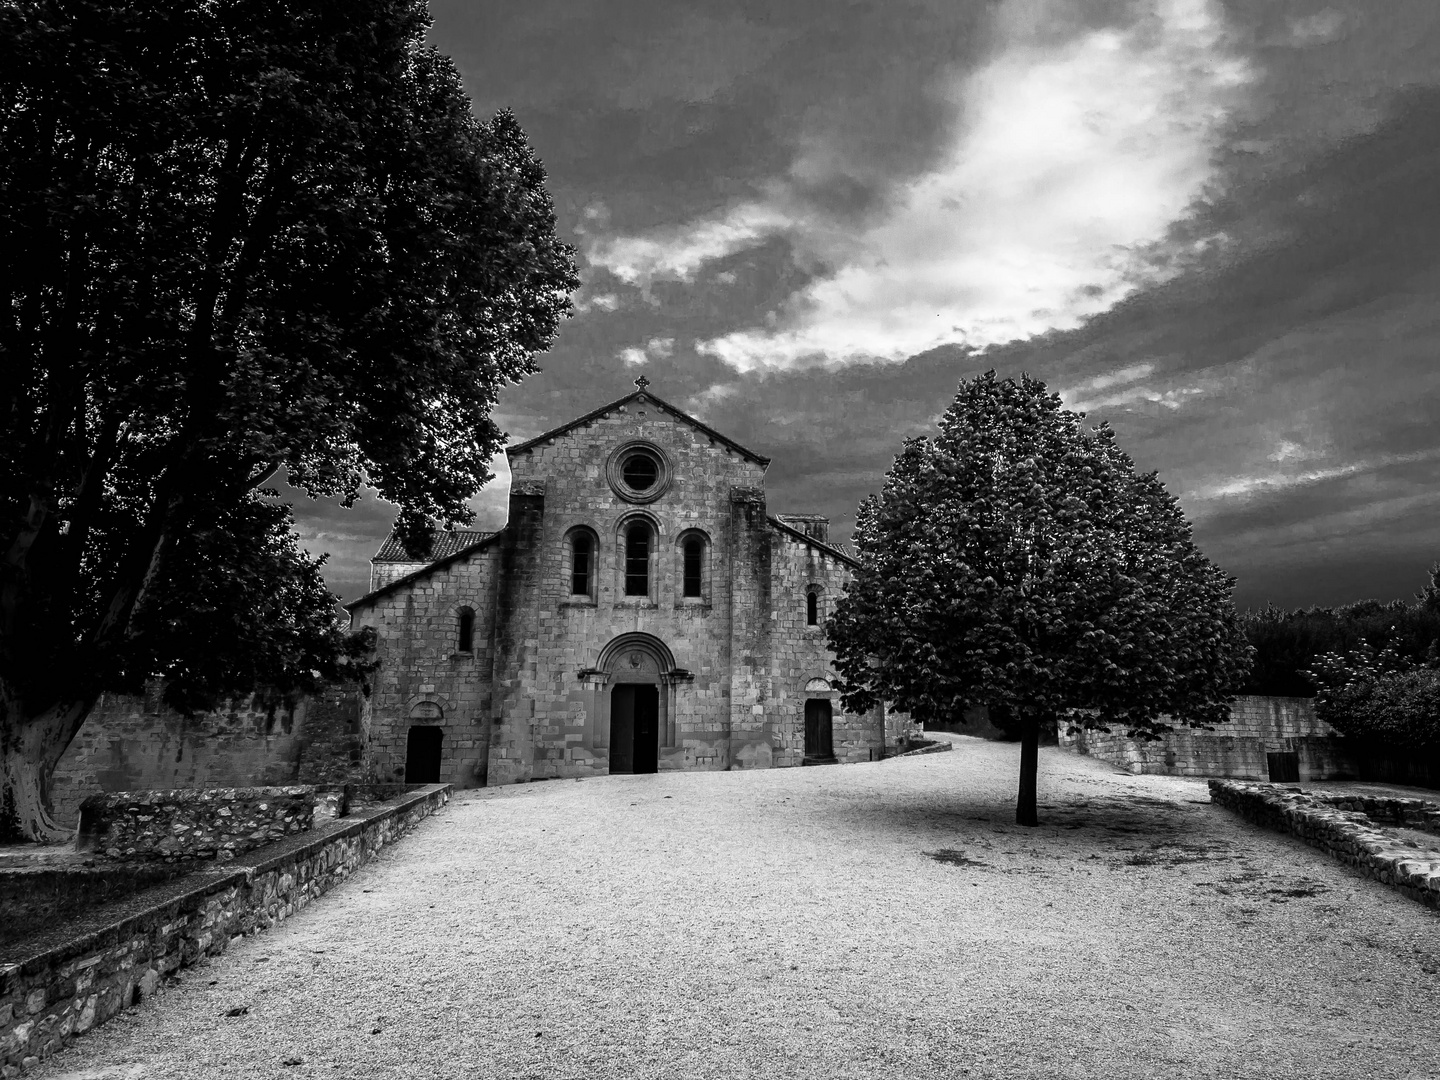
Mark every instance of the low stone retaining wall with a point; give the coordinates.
(1342, 826)
(1240, 747)
(217, 823)
(56, 986)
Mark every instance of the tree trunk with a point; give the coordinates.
(1029, 765)
(30, 748)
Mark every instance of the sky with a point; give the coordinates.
(1214, 225)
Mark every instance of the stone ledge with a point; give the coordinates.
(1336, 825)
(61, 983)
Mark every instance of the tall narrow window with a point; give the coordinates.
(580, 556)
(694, 565)
(812, 609)
(466, 636)
(637, 560)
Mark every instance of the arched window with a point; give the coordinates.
(582, 553)
(466, 635)
(694, 568)
(812, 608)
(637, 560)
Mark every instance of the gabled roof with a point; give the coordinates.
(428, 568)
(806, 538)
(641, 395)
(444, 545)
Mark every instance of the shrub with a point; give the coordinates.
(1384, 698)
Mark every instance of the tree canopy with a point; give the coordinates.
(236, 238)
(1018, 560)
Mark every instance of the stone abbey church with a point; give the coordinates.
(640, 611)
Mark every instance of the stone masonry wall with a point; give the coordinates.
(1340, 826)
(1258, 726)
(800, 654)
(549, 718)
(215, 823)
(138, 744)
(423, 678)
(52, 991)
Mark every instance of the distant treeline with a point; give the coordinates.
(1289, 642)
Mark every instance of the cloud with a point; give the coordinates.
(656, 348)
(1067, 161)
(1253, 484)
(679, 253)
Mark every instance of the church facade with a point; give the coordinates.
(640, 611)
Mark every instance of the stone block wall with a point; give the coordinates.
(214, 823)
(1338, 825)
(138, 744)
(801, 658)
(1258, 726)
(424, 679)
(50, 992)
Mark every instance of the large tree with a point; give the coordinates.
(1017, 560)
(236, 237)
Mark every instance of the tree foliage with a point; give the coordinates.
(237, 237)
(1289, 643)
(1017, 560)
(1383, 698)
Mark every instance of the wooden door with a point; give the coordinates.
(819, 736)
(647, 728)
(422, 754)
(622, 729)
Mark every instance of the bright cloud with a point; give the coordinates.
(1240, 486)
(1069, 158)
(654, 349)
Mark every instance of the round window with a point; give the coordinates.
(640, 471)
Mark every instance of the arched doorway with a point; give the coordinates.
(635, 682)
(422, 754)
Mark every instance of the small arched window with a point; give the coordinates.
(465, 637)
(637, 560)
(812, 608)
(694, 568)
(582, 552)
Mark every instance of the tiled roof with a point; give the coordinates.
(446, 544)
(476, 541)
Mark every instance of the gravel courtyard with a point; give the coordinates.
(880, 920)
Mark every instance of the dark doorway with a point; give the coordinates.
(422, 755)
(1284, 767)
(634, 728)
(819, 737)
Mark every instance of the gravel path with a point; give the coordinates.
(798, 923)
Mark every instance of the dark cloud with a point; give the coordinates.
(1283, 380)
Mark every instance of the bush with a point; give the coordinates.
(1386, 699)
(1399, 710)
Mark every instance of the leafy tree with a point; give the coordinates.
(236, 237)
(1017, 560)
(1288, 644)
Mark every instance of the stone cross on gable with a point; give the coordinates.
(642, 382)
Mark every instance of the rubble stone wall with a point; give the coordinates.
(1340, 826)
(215, 823)
(52, 991)
(139, 744)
